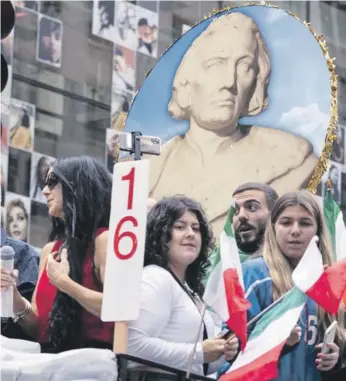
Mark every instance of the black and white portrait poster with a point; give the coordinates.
(49, 41)
(126, 24)
(103, 20)
(147, 31)
(40, 165)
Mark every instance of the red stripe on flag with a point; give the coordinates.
(330, 287)
(237, 305)
(263, 368)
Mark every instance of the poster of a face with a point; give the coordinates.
(237, 101)
(338, 154)
(22, 124)
(40, 165)
(49, 41)
(30, 5)
(125, 23)
(17, 216)
(103, 19)
(147, 31)
(334, 175)
(112, 139)
(121, 101)
(124, 72)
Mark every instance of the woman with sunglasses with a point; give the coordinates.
(66, 304)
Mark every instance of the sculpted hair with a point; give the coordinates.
(86, 189)
(269, 192)
(280, 268)
(161, 219)
(180, 106)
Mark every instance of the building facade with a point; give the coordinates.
(71, 84)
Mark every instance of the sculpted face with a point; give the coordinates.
(224, 77)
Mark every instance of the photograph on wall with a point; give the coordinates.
(33, 6)
(40, 165)
(258, 127)
(17, 216)
(103, 20)
(126, 24)
(40, 224)
(19, 168)
(124, 68)
(338, 154)
(3, 176)
(49, 41)
(112, 139)
(22, 124)
(121, 101)
(333, 174)
(147, 31)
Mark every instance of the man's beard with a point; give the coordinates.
(252, 246)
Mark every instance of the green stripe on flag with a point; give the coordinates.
(293, 299)
(331, 211)
(215, 256)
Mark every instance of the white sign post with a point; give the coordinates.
(125, 251)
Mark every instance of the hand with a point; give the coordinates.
(327, 361)
(231, 348)
(8, 279)
(213, 348)
(294, 336)
(58, 271)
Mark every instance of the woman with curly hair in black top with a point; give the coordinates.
(178, 244)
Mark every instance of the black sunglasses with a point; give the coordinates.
(52, 181)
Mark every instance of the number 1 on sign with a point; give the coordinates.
(131, 178)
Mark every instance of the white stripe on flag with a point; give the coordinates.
(310, 267)
(230, 256)
(272, 336)
(215, 294)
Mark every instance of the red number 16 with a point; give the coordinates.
(117, 236)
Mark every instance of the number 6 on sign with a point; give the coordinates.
(125, 251)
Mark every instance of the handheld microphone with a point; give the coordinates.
(7, 263)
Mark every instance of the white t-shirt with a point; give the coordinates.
(167, 326)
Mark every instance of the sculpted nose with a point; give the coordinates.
(230, 77)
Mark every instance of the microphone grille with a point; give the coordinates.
(6, 253)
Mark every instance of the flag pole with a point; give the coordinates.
(257, 317)
(204, 307)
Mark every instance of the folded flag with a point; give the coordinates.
(259, 360)
(224, 291)
(325, 287)
(335, 222)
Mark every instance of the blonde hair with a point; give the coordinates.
(279, 267)
(180, 106)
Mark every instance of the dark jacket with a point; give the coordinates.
(26, 261)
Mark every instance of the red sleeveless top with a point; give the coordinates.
(92, 327)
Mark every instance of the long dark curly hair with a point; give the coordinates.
(159, 227)
(86, 189)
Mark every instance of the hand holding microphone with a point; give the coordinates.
(8, 280)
